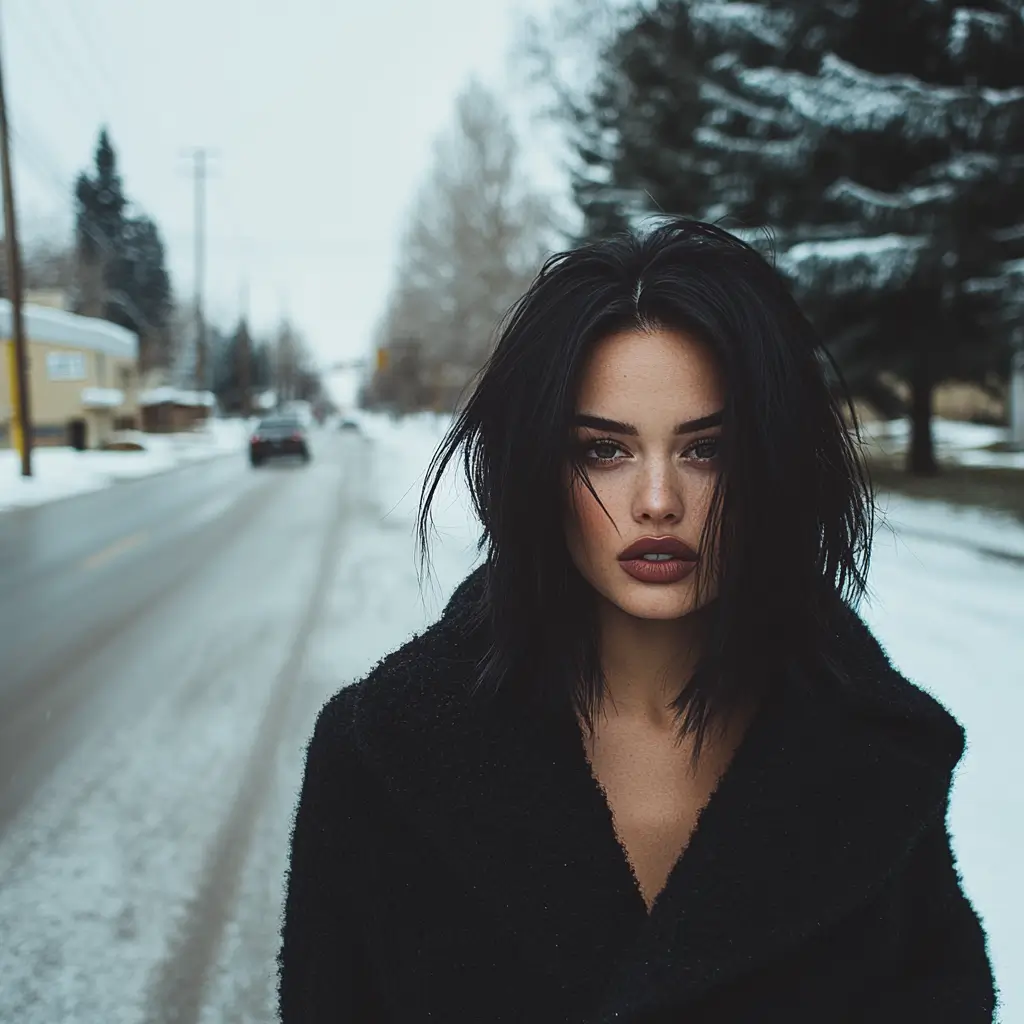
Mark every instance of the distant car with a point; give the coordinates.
(348, 425)
(278, 437)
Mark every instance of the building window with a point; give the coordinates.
(126, 378)
(101, 369)
(65, 366)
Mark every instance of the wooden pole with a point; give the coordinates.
(19, 378)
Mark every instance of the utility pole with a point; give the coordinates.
(21, 420)
(199, 157)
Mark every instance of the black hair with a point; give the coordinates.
(793, 505)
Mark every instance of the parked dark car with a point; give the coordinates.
(278, 437)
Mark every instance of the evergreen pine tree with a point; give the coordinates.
(242, 349)
(121, 261)
(223, 368)
(239, 369)
(918, 114)
(881, 142)
(101, 205)
(139, 287)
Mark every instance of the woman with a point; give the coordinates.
(649, 765)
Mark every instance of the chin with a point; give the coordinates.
(657, 602)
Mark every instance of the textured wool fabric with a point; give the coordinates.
(454, 860)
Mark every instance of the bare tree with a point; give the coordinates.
(558, 53)
(476, 237)
(294, 370)
(47, 264)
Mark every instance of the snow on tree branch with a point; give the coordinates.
(971, 25)
(1009, 280)
(844, 266)
(846, 99)
(873, 207)
(723, 101)
(730, 24)
(786, 154)
(967, 167)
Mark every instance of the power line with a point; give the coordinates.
(73, 89)
(56, 40)
(42, 159)
(85, 33)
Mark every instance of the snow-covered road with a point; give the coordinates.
(141, 866)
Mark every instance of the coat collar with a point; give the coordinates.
(822, 801)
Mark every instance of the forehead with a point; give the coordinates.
(657, 371)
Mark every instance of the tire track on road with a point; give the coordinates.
(91, 779)
(177, 992)
(46, 701)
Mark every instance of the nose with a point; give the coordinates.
(658, 498)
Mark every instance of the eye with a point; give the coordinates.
(601, 452)
(704, 450)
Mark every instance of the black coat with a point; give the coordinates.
(453, 863)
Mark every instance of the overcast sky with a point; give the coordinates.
(320, 113)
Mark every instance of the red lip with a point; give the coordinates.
(658, 546)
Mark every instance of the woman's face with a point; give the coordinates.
(647, 427)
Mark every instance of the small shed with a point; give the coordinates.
(167, 410)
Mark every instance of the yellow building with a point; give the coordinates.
(83, 377)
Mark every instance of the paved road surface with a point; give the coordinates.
(166, 645)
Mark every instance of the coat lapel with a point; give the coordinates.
(504, 793)
(823, 799)
(819, 808)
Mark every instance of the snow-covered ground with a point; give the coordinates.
(62, 472)
(955, 442)
(98, 876)
(950, 619)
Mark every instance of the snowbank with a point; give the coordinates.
(63, 472)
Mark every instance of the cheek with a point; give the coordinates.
(589, 530)
(702, 496)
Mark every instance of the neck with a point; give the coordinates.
(647, 662)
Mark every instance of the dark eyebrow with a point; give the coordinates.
(615, 427)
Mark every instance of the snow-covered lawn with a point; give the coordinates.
(984, 530)
(963, 443)
(62, 472)
(951, 620)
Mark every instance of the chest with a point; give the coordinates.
(654, 794)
